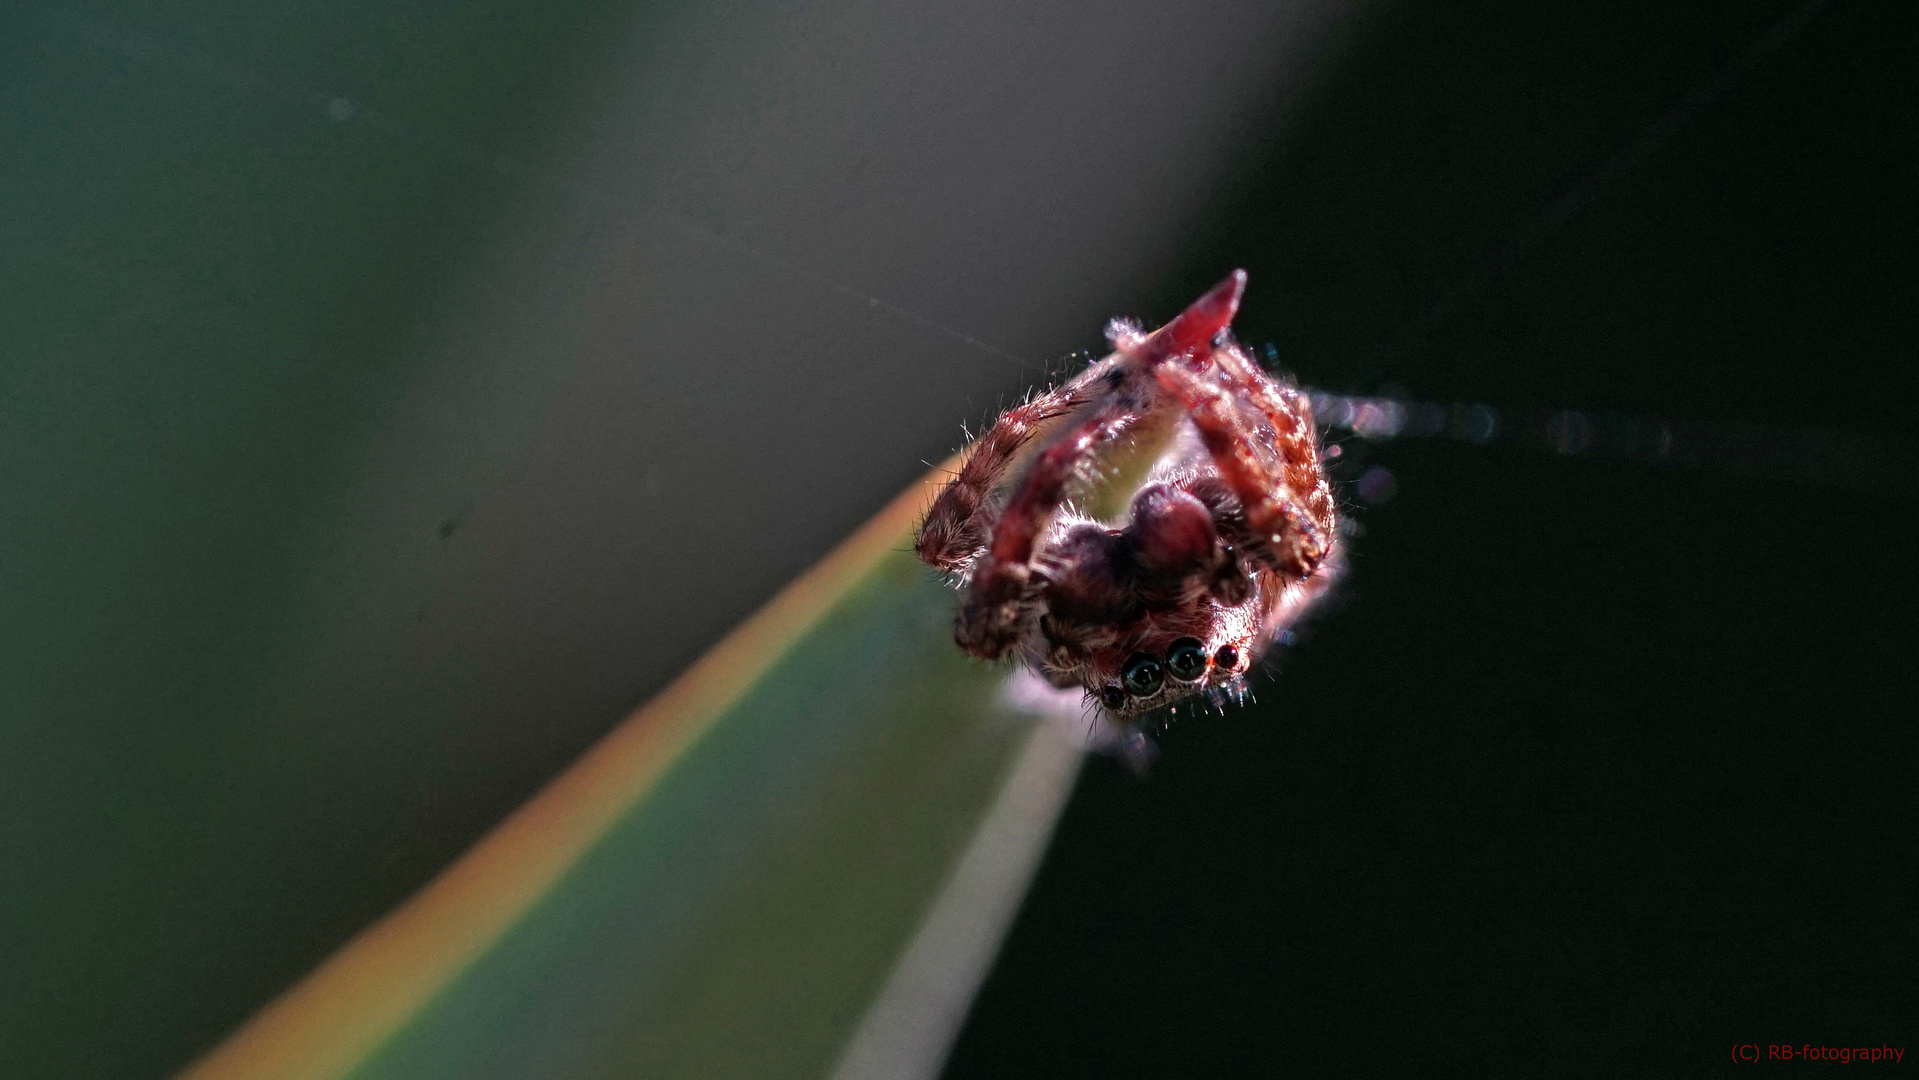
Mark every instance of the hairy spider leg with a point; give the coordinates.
(961, 519)
(1005, 589)
(1263, 442)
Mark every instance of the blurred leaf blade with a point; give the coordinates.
(722, 885)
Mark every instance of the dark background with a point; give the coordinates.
(395, 393)
(1592, 768)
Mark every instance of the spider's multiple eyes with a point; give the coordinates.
(1186, 660)
(1144, 673)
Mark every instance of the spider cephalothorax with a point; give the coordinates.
(1229, 536)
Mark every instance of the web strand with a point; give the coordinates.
(1880, 465)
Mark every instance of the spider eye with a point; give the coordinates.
(1112, 697)
(1143, 675)
(1186, 659)
(1227, 658)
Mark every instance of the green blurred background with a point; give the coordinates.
(394, 394)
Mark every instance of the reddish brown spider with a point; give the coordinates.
(1231, 537)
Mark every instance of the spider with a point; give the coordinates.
(1230, 536)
